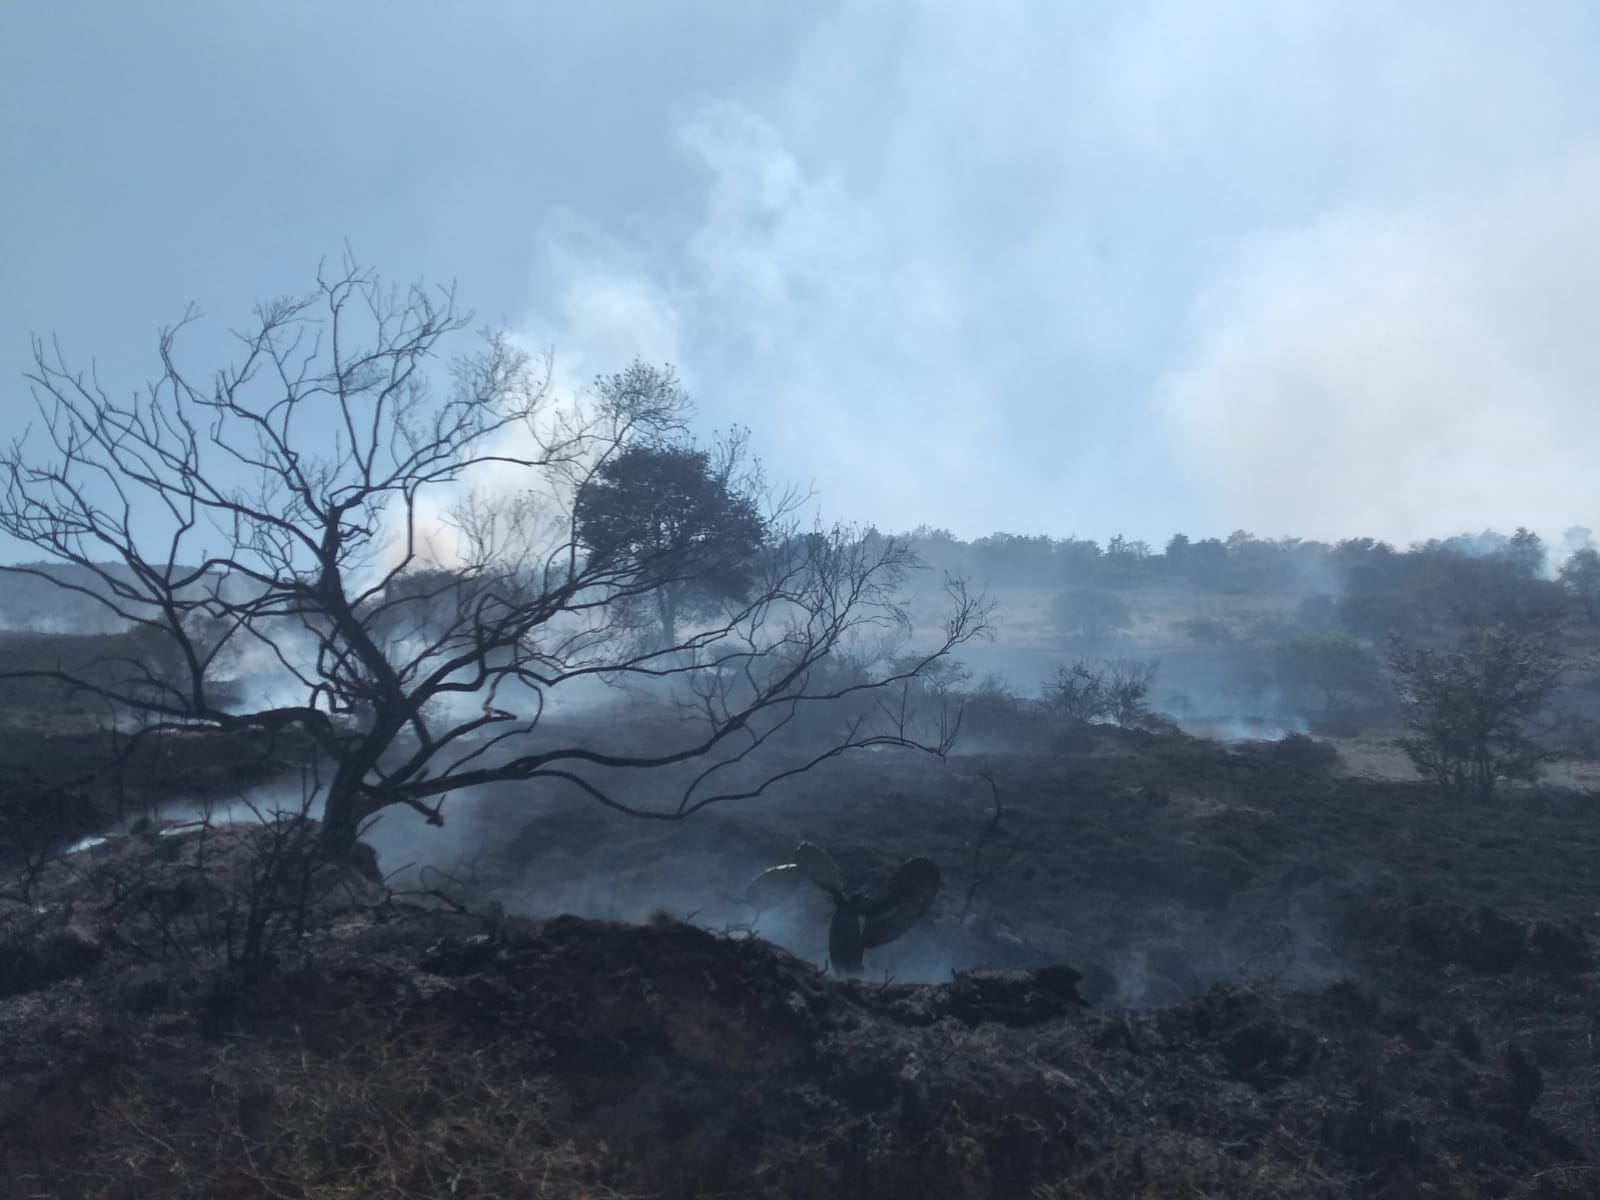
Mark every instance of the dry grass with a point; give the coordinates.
(1139, 1169)
(401, 1115)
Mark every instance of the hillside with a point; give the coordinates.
(1180, 968)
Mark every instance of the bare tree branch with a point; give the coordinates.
(402, 545)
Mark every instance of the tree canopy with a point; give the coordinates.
(1469, 709)
(675, 513)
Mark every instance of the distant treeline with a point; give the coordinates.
(31, 602)
(1364, 584)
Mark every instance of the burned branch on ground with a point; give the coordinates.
(991, 852)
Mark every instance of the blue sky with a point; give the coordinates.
(1301, 268)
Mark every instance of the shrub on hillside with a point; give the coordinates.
(1107, 689)
(993, 710)
(1090, 613)
(1329, 673)
(1470, 710)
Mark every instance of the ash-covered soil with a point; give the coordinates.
(1167, 968)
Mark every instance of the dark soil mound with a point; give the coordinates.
(410, 1053)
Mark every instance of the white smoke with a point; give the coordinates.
(1303, 269)
(1407, 375)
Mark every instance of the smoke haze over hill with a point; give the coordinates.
(1288, 268)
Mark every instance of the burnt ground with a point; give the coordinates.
(1179, 969)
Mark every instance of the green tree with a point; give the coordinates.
(1090, 613)
(1469, 709)
(1205, 562)
(1331, 671)
(1580, 578)
(688, 520)
(1526, 550)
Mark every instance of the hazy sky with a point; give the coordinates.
(1300, 268)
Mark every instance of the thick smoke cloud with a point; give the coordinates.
(1298, 268)
(1390, 373)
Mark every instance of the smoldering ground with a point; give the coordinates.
(1083, 864)
(1160, 862)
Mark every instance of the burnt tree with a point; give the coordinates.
(400, 541)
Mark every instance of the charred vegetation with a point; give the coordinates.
(1242, 868)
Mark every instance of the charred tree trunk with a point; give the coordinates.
(667, 611)
(341, 822)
